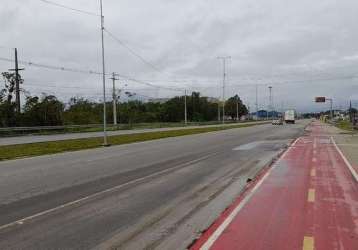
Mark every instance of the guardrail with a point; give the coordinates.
(48, 127)
(8, 131)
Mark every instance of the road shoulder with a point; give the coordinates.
(347, 142)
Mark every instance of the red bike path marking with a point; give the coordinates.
(297, 204)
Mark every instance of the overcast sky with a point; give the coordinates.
(302, 48)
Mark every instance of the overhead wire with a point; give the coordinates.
(115, 38)
(70, 8)
(74, 70)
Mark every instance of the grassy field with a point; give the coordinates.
(43, 148)
(345, 125)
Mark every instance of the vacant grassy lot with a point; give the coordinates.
(42, 148)
(345, 125)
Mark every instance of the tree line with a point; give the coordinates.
(48, 110)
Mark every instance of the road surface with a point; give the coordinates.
(157, 194)
(13, 140)
(307, 201)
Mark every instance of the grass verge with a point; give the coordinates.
(345, 125)
(43, 148)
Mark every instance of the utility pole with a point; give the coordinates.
(105, 142)
(17, 83)
(185, 109)
(114, 96)
(224, 58)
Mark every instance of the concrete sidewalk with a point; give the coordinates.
(308, 200)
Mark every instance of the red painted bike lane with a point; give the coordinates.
(307, 200)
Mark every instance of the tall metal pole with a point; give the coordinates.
(105, 142)
(114, 97)
(224, 58)
(224, 76)
(185, 111)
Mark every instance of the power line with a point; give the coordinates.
(351, 77)
(132, 51)
(147, 83)
(153, 85)
(70, 8)
(52, 67)
(74, 70)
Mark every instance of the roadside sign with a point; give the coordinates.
(320, 99)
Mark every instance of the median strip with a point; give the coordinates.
(52, 147)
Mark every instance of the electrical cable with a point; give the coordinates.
(132, 51)
(70, 8)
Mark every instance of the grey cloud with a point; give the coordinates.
(269, 41)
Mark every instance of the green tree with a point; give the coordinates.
(82, 111)
(7, 106)
(44, 111)
(231, 107)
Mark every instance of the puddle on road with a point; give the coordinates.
(256, 144)
(248, 146)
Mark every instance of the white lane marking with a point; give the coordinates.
(23, 220)
(348, 164)
(314, 159)
(314, 152)
(314, 143)
(208, 244)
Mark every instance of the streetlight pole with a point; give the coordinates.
(105, 142)
(224, 58)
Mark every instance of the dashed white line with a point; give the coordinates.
(23, 220)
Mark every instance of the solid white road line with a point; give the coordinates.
(208, 244)
(23, 220)
(348, 164)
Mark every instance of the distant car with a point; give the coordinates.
(277, 122)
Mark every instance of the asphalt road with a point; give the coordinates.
(158, 194)
(13, 140)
